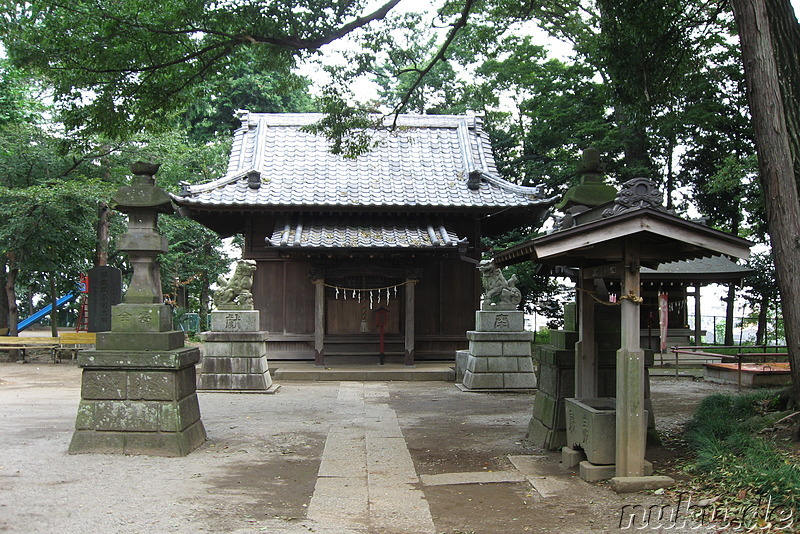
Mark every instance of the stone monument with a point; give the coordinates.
(235, 352)
(138, 391)
(105, 291)
(499, 355)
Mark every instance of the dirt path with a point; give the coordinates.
(275, 463)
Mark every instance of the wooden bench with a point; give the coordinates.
(75, 341)
(71, 342)
(24, 344)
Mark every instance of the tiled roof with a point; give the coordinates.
(425, 162)
(349, 232)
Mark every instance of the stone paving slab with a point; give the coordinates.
(476, 477)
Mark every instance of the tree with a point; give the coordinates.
(772, 135)
(44, 232)
(163, 54)
(761, 290)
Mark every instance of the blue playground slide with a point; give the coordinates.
(25, 323)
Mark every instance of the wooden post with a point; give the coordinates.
(630, 416)
(697, 317)
(585, 348)
(409, 342)
(319, 322)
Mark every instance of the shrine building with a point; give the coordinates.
(347, 247)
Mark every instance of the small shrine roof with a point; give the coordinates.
(350, 232)
(428, 161)
(598, 237)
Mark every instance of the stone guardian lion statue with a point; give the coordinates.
(237, 289)
(498, 293)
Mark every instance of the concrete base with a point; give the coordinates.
(140, 402)
(596, 473)
(234, 361)
(498, 360)
(632, 484)
(527, 391)
(571, 457)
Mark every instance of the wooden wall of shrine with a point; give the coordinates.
(446, 295)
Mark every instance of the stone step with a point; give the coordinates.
(439, 372)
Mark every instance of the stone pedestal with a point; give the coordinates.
(138, 388)
(499, 355)
(547, 428)
(235, 352)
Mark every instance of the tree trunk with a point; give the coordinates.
(101, 250)
(775, 165)
(761, 328)
(53, 307)
(11, 297)
(730, 307)
(3, 301)
(785, 31)
(205, 291)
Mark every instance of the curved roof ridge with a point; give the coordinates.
(502, 183)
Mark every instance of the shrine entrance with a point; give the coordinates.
(353, 301)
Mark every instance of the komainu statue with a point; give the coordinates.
(237, 289)
(498, 293)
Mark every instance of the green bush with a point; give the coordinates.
(730, 453)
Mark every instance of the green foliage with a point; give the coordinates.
(243, 86)
(48, 229)
(194, 261)
(164, 54)
(732, 456)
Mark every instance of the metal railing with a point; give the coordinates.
(740, 357)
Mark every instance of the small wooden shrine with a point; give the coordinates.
(614, 240)
(336, 239)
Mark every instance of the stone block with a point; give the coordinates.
(477, 365)
(525, 365)
(221, 349)
(483, 380)
(595, 473)
(502, 364)
(89, 441)
(519, 380)
(486, 348)
(525, 336)
(462, 356)
(632, 484)
(558, 357)
(499, 321)
(235, 321)
(169, 340)
(152, 385)
(161, 385)
(517, 348)
(166, 443)
(225, 337)
(571, 316)
(234, 349)
(173, 359)
(131, 416)
(542, 437)
(141, 318)
(563, 339)
(550, 410)
(103, 385)
(556, 381)
(176, 416)
(571, 457)
(235, 365)
(85, 418)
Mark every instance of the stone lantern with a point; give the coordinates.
(138, 393)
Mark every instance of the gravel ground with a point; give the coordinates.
(260, 468)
